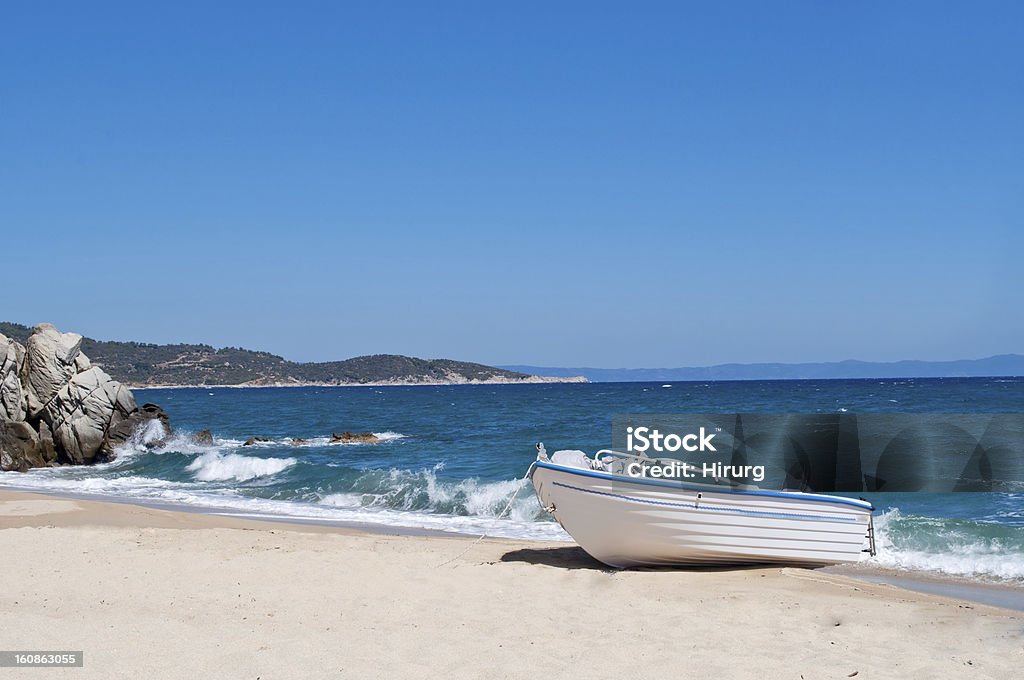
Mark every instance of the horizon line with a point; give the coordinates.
(515, 366)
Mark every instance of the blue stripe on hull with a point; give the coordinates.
(696, 506)
(861, 505)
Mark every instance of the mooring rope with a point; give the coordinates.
(508, 506)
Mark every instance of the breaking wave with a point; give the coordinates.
(222, 474)
(152, 437)
(145, 437)
(957, 547)
(423, 491)
(394, 485)
(219, 467)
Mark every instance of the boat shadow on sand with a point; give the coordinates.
(571, 557)
(574, 557)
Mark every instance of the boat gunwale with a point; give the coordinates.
(708, 488)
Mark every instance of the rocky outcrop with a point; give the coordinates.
(45, 445)
(19, 446)
(82, 411)
(57, 408)
(354, 438)
(12, 396)
(203, 437)
(52, 359)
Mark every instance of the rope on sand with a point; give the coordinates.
(508, 506)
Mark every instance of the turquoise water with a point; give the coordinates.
(451, 456)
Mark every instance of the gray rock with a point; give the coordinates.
(12, 396)
(82, 363)
(204, 437)
(51, 360)
(56, 407)
(354, 438)
(83, 410)
(47, 449)
(19, 447)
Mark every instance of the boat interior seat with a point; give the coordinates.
(572, 458)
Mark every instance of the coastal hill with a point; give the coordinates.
(141, 364)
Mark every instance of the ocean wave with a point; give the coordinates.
(147, 434)
(219, 467)
(951, 546)
(144, 438)
(384, 437)
(70, 480)
(152, 437)
(335, 508)
(424, 491)
(389, 436)
(342, 500)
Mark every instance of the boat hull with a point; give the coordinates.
(625, 522)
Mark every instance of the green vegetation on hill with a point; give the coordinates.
(139, 363)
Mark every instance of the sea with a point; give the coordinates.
(451, 458)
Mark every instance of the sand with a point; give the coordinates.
(149, 593)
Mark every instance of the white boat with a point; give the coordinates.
(631, 521)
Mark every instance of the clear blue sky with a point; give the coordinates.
(631, 184)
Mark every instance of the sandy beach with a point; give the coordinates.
(147, 592)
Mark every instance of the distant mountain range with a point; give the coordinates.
(139, 364)
(1001, 365)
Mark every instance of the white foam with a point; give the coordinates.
(147, 439)
(976, 557)
(69, 480)
(490, 499)
(467, 504)
(342, 500)
(388, 436)
(218, 467)
(402, 498)
(144, 438)
(224, 501)
(384, 437)
(151, 437)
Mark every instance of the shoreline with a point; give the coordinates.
(993, 594)
(550, 380)
(141, 589)
(226, 512)
(997, 594)
(532, 380)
